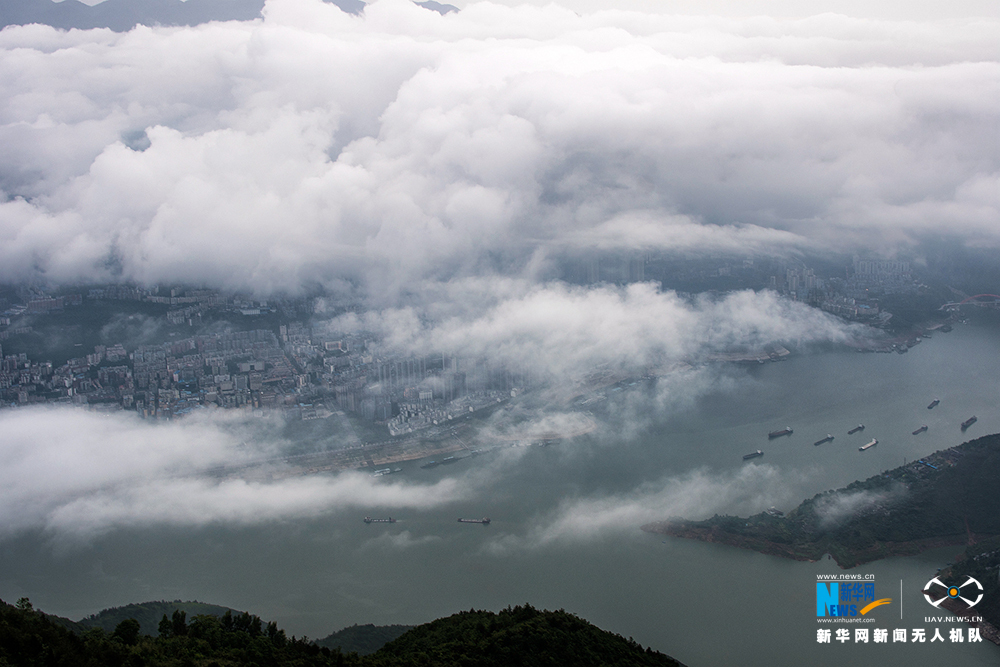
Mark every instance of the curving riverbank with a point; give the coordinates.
(809, 551)
(944, 499)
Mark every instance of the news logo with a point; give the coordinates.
(952, 592)
(846, 598)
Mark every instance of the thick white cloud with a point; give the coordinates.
(695, 495)
(400, 146)
(77, 474)
(562, 333)
(835, 508)
(441, 163)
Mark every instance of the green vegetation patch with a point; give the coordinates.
(363, 639)
(516, 636)
(981, 561)
(148, 614)
(944, 498)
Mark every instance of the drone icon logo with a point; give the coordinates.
(952, 592)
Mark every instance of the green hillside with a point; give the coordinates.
(363, 639)
(149, 614)
(515, 636)
(949, 497)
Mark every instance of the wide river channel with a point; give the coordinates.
(565, 521)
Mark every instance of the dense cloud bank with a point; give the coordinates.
(560, 333)
(403, 146)
(697, 494)
(76, 474)
(440, 167)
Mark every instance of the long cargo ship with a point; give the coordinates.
(969, 422)
(778, 434)
(933, 403)
(859, 427)
(752, 455)
(828, 438)
(369, 519)
(868, 446)
(920, 430)
(485, 521)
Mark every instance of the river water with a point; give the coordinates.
(565, 521)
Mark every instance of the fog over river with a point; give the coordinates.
(565, 519)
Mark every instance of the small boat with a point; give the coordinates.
(828, 438)
(969, 422)
(920, 430)
(752, 455)
(859, 427)
(934, 403)
(868, 446)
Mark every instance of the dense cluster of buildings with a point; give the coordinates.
(879, 277)
(297, 368)
(294, 368)
(229, 370)
(409, 393)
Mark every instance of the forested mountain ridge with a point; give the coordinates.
(515, 636)
(149, 614)
(948, 497)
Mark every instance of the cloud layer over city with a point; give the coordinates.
(556, 331)
(438, 169)
(314, 147)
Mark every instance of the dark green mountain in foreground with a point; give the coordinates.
(149, 614)
(515, 636)
(519, 636)
(363, 639)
